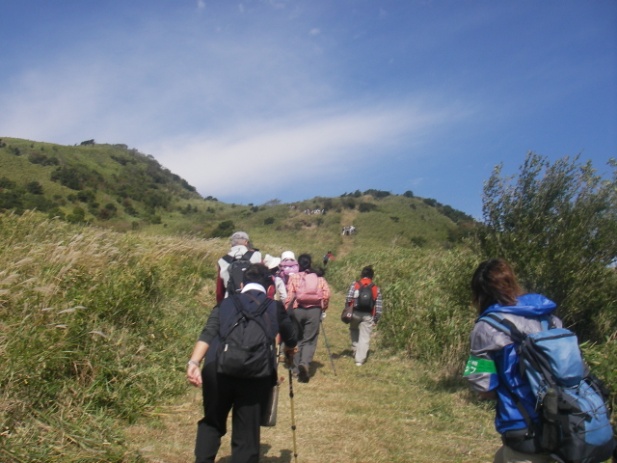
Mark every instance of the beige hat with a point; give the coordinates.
(237, 237)
(288, 255)
(271, 262)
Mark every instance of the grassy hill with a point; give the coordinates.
(123, 189)
(88, 183)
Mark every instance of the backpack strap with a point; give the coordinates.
(359, 285)
(504, 325)
(229, 259)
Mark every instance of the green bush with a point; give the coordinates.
(557, 223)
(223, 229)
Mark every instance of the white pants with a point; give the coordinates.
(360, 332)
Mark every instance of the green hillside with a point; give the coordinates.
(88, 183)
(123, 189)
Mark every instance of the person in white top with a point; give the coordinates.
(240, 246)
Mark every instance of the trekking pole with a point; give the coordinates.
(323, 330)
(293, 417)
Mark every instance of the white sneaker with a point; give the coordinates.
(358, 364)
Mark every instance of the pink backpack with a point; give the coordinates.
(309, 292)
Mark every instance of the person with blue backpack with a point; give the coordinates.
(549, 407)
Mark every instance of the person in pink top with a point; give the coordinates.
(310, 294)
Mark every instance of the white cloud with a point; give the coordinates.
(279, 155)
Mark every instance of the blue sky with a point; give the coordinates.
(317, 97)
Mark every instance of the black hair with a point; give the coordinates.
(367, 272)
(258, 273)
(304, 262)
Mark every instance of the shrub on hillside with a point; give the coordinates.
(223, 229)
(367, 207)
(557, 224)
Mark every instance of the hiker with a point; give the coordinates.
(240, 249)
(365, 298)
(278, 291)
(327, 258)
(492, 369)
(246, 396)
(288, 265)
(310, 294)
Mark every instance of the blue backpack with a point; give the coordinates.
(575, 420)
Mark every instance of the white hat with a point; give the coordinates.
(288, 255)
(271, 262)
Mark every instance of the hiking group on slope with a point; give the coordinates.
(259, 299)
(507, 316)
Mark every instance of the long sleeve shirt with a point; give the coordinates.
(292, 291)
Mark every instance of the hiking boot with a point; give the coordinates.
(303, 374)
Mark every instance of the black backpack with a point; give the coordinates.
(237, 267)
(247, 349)
(365, 301)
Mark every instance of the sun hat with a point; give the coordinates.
(271, 262)
(288, 255)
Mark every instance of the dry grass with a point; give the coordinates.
(388, 410)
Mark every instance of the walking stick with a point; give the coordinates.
(323, 330)
(293, 417)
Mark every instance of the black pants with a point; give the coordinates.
(247, 398)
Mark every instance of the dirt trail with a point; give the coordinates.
(388, 410)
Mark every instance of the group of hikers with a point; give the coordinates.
(262, 299)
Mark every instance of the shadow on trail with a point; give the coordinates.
(343, 353)
(286, 456)
(315, 365)
(452, 382)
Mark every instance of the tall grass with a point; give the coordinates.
(93, 327)
(427, 310)
(425, 298)
(96, 326)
